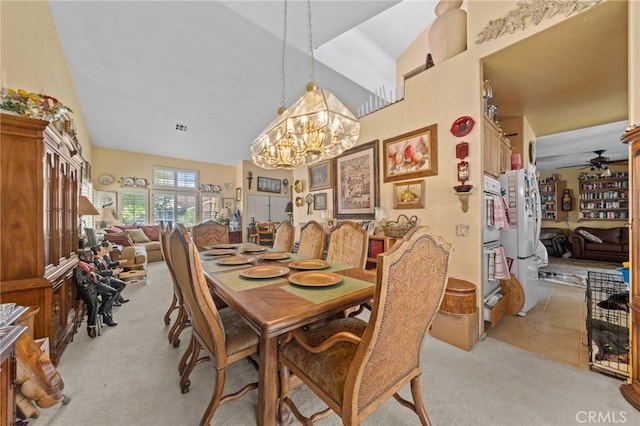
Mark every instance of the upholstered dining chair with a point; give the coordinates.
(354, 366)
(348, 245)
(176, 303)
(285, 234)
(208, 233)
(311, 240)
(222, 335)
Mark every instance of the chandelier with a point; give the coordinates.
(316, 127)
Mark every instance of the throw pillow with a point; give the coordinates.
(125, 227)
(589, 236)
(119, 238)
(152, 232)
(547, 236)
(137, 235)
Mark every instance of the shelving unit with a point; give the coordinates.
(604, 198)
(377, 244)
(551, 196)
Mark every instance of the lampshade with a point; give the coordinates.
(107, 217)
(85, 208)
(289, 207)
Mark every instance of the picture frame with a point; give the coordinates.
(238, 194)
(320, 175)
(411, 155)
(408, 195)
(269, 185)
(356, 189)
(229, 203)
(320, 201)
(106, 199)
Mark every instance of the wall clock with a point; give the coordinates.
(105, 179)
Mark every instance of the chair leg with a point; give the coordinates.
(416, 392)
(215, 399)
(193, 360)
(186, 356)
(178, 327)
(283, 414)
(172, 307)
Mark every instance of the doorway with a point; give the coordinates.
(266, 208)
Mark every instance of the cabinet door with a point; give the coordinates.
(491, 151)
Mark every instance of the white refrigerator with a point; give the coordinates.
(520, 240)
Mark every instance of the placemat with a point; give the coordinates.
(333, 267)
(212, 266)
(237, 283)
(319, 295)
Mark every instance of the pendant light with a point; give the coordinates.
(316, 127)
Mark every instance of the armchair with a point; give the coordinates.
(354, 366)
(554, 240)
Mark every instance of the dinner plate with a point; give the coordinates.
(218, 252)
(265, 271)
(277, 255)
(221, 246)
(315, 278)
(254, 249)
(234, 260)
(309, 264)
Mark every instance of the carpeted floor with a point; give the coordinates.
(128, 377)
(574, 271)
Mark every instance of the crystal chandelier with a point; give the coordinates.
(316, 127)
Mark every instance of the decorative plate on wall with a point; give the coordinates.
(105, 179)
(298, 186)
(127, 181)
(141, 182)
(462, 126)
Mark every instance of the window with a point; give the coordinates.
(175, 207)
(133, 206)
(210, 207)
(86, 189)
(174, 178)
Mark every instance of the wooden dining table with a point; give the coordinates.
(273, 306)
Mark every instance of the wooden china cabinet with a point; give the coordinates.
(40, 170)
(631, 390)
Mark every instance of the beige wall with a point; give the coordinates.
(31, 58)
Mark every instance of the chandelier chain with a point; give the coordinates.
(284, 47)
(311, 64)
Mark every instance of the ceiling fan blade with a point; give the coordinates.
(582, 166)
(551, 157)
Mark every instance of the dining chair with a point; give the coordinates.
(285, 234)
(209, 233)
(348, 245)
(222, 335)
(176, 303)
(355, 366)
(265, 231)
(312, 239)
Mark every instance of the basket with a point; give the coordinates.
(400, 227)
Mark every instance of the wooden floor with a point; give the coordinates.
(555, 327)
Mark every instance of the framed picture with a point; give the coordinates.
(411, 155)
(229, 203)
(408, 195)
(238, 194)
(356, 189)
(106, 199)
(269, 185)
(320, 201)
(320, 176)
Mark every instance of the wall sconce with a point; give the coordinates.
(249, 178)
(464, 199)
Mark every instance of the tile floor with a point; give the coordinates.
(555, 327)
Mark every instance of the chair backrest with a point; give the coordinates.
(166, 254)
(285, 234)
(208, 233)
(311, 240)
(348, 245)
(410, 285)
(206, 324)
(265, 231)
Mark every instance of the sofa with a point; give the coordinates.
(607, 244)
(554, 240)
(147, 236)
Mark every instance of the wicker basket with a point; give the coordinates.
(400, 227)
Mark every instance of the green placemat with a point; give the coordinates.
(294, 256)
(323, 294)
(237, 283)
(212, 266)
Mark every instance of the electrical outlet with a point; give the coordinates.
(462, 230)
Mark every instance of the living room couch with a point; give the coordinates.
(608, 244)
(554, 240)
(147, 236)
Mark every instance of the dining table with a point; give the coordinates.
(268, 290)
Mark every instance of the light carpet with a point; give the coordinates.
(574, 272)
(128, 376)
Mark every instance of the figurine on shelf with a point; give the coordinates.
(463, 176)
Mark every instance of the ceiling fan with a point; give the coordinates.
(599, 165)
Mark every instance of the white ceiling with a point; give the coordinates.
(139, 68)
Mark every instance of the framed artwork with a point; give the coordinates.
(320, 175)
(106, 199)
(411, 155)
(238, 194)
(408, 195)
(320, 201)
(269, 185)
(356, 190)
(229, 203)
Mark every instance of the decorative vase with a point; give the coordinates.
(448, 33)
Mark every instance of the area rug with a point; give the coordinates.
(574, 272)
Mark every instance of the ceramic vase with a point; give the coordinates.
(448, 33)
